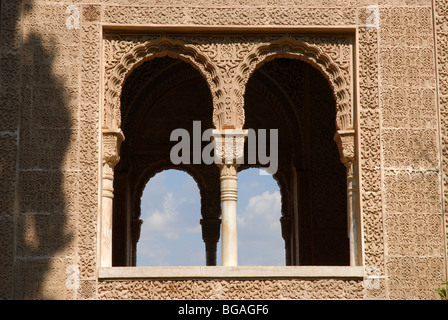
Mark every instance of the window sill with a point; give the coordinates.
(219, 272)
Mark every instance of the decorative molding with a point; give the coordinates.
(304, 49)
(227, 62)
(345, 140)
(134, 56)
(112, 139)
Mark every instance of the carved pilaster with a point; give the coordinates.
(345, 140)
(112, 140)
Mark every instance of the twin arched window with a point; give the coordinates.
(171, 234)
(283, 94)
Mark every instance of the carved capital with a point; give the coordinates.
(112, 140)
(345, 140)
(229, 145)
(286, 227)
(210, 230)
(228, 171)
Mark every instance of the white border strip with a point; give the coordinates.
(218, 272)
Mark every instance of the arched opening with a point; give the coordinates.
(260, 240)
(170, 212)
(160, 96)
(285, 95)
(295, 98)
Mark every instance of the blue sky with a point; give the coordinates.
(171, 233)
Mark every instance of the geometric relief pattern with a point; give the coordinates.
(410, 148)
(89, 153)
(370, 159)
(47, 199)
(227, 62)
(441, 22)
(237, 15)
(231, 289)
(408, 107)
(412, 198)
(47, 68)
(10, 100)
(57, 190)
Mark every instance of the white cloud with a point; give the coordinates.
(170, 214)
(158, 220)
(259, 230)
(265, 207)
(153, 254)
(195, 229)
(171, 235)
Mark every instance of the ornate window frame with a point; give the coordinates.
(324, 57)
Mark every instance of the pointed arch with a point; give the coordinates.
(310, 53)
(143, 52)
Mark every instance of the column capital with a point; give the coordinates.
(229, 145)
(345, 140)
(112, 139)
(210, 229)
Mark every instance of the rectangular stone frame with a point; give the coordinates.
(397, 266)
(356, 271)
(376, 175)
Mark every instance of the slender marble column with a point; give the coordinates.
(111, 148)
(352, 216)
(229, 196)
(229, 151)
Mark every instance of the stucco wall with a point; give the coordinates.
(52, 97)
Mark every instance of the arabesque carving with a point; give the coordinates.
(227, 63)
(134, 56)
(311, 53)
(401, 125)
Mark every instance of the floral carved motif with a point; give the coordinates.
(227, 64)
(401, 123)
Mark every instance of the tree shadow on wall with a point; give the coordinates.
(43, 230)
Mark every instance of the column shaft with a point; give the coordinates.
(229, 153)
(111, 142)
(229, 195)
(352, 217)
(106, 217)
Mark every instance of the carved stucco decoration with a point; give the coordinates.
(112, 140)
(345, 140)
(227, 63)
(146, 51)
(404, 272)
(310, 53)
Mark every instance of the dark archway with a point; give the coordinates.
(293, 97)
(160, 96)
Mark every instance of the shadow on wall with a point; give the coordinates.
(41, 237)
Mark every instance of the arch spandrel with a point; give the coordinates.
(227, 77)
(145, 51)
(310, 53)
